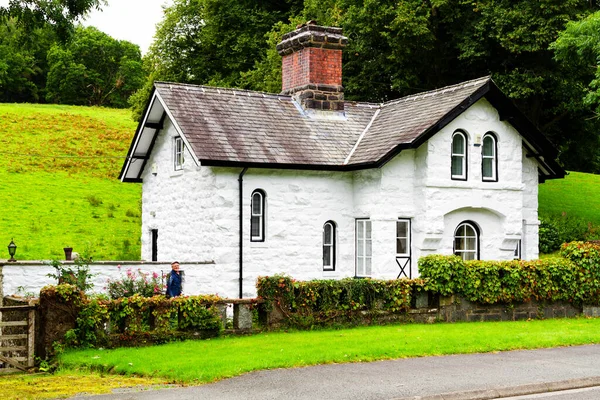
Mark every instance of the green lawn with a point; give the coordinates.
(58, 182)
(210, 360)
(577, 195)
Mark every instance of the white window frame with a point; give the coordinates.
(461, 252)
(364, 247)
(178, 153)
(407, 237)
(463, 156)
(257, 217)
(329, 263)
(493, 157)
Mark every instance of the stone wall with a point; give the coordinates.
(456, 308)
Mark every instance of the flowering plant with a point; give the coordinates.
(142, 283)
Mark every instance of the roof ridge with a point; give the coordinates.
(223, 90)
(450, 88)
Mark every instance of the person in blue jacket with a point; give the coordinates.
(174, 280)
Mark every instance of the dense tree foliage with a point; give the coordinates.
(398, 48)
(58, 14)
(93, 69)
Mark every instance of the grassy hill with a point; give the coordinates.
(59, 188)
(58, 182)
(578, 195)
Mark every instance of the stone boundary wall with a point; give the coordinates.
(200, 277)
(456, 308)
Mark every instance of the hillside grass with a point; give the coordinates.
(58, 182)
(578, 195)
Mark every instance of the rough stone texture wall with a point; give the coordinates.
(456, 308)
(495, 207)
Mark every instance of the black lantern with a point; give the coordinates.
(12, 249)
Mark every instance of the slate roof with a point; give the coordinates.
(232, 127)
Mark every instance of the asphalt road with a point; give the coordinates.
(456, 377)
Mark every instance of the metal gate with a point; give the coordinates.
(17, 338)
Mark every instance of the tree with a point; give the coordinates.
(59, 14)
(94, 69)
(23, 62)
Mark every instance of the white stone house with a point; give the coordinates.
(306, 184)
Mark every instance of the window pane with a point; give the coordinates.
(459, 243)
(326, 256)
(488, 146)
(401, 246)
(256, 204)
(457, 166)
(468, 256)
(368, 266)
(469, 231)
(458, 144)
(327, 234)
(360, 266)
(368, 229)
(487, 167)
(471, 244)
(401, 227)
(368, 248)
(255, 226)
(360, 233)
(360, 249)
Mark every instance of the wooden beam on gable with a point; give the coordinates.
(154, 125)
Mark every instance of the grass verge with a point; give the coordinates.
(210, 360)
(65, 384)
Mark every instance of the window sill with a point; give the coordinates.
(259, 245)
(178, 172)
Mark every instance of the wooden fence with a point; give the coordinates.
(17, 338)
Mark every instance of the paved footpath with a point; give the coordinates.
(460, 377)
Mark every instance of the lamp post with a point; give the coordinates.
(12, 249)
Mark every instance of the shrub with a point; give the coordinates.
(549, 237)
(77, 274)
(135, 282)
(490, 282)
(321, 302)
(556, 230)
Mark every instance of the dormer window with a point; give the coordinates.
(178, 151)
(489, 159)
(459, 156)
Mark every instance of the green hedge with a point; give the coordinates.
(324, 302)
(136, 319)
(574, 278)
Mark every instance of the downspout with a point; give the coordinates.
(241, 191)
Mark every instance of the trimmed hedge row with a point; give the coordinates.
(574, 278)
(320, 302)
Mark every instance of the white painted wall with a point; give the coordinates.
(31, 276)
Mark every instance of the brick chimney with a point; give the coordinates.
(312, 66)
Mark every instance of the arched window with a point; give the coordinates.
(466, 241)
(257, 219)
(329, 245)
(489, 159)
(459, 156)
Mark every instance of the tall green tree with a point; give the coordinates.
(23, 64)
(59, 14)
(94, 69)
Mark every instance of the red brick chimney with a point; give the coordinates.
(312, 66)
